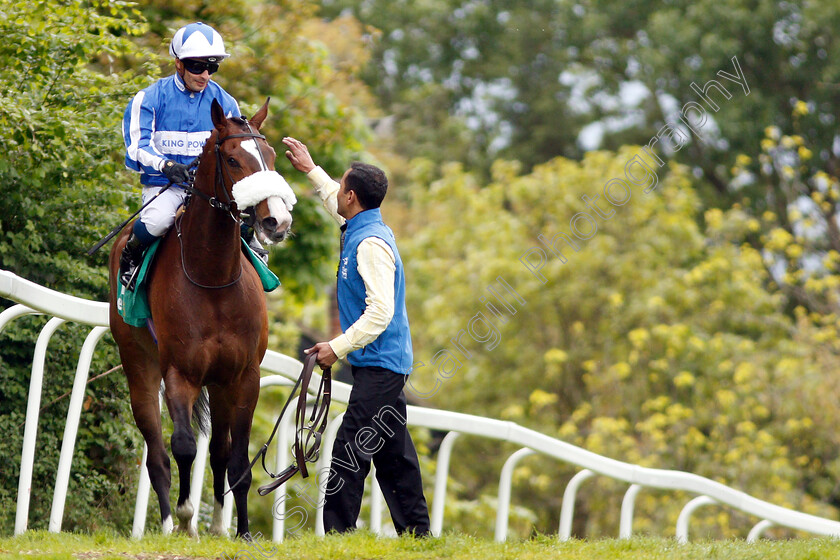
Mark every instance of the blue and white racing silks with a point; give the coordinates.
(168, 121)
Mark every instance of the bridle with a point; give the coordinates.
(308, 434)
(215, 201)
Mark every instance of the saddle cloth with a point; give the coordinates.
(134, 305)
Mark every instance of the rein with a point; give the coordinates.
(308, 434)
(184, 265)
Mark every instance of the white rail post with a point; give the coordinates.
(197, 477)
(327, 442)
(281, 461)
(567, 510)
(625, 530)
(505, 483)
(685, 516)
(6, 317)
(375, 503)
(142, 504)
(30, 432)
(441, 475)
(758, 530)
(71, 427)
(227, 509)
(12, 313)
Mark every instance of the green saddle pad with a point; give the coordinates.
(269, 281)
(134, 305)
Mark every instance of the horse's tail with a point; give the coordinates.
(201, 412)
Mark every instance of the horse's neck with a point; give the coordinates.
(210, 228)
(210, 235)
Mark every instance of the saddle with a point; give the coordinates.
(133, 305)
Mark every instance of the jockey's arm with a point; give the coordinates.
(138, 129)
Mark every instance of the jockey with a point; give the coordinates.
(164, 128)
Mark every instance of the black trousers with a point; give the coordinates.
(374, 428)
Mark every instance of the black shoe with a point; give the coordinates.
(130, 261)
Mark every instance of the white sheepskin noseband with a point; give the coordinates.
(255, 188)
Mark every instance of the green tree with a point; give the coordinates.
(62, 188)
(656, 342)
(468, 81)
(798, 233)
(530, 76)
(60, 164)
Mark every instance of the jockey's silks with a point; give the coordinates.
(168, 121)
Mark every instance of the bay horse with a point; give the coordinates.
(209, 314)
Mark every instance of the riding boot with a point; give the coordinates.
(130, 261)
(250, 238)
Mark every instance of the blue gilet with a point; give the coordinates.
(392, 348)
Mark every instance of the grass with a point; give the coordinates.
(366, 546)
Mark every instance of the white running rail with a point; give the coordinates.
(283, 370)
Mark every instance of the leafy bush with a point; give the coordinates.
(59, 110)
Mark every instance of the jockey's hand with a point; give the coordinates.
(176, 172)
(298, 154)
(326, 357)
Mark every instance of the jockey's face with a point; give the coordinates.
(194, 81)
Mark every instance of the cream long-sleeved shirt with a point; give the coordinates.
(376, 265)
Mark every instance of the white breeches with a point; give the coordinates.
(159, 216)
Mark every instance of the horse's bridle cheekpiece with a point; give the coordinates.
(308, 433)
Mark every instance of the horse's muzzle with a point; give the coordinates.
(274, 231)
(273, 221)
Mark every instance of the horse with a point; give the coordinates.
(209, 317)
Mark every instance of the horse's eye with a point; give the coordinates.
(232, 162)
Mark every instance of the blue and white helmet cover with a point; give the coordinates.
(197, 40)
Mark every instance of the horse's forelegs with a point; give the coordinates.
(243, 414)
(180, 397)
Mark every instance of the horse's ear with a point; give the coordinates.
(259, 117)
(218, 115)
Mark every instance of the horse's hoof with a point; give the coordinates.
(217, 531)
(188, 529)
(184, 513)
(217, 527)
(167, 526)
